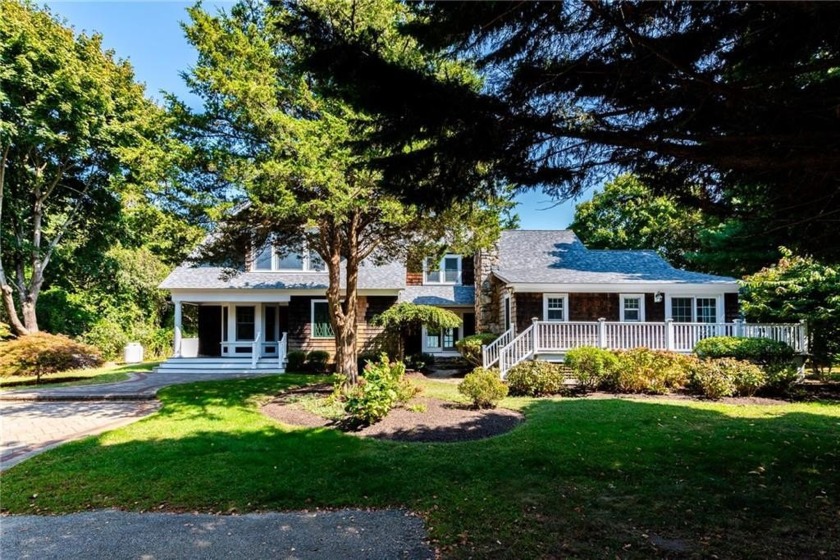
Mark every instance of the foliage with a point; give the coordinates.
(470, 346)
(419, 362)
(272, 135)
(714, 378)
(295, 361)
(316, 361)
(642, 370)
(483, 387)
(535, 378)
(405, 318)
(799, 288)
(41, 354)
(5, 330)
(762, 351)
(748, 379)
(77, 135)
(380, 389)
(591, 366)
(628, 215)
(699, 98)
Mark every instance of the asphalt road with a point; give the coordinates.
(116, 535)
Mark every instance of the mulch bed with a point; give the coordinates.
(442, 421)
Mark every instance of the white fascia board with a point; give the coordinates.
(233, 295)
(641, 287)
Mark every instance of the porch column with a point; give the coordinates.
(178, 323)
(602, 332)
(669, 334)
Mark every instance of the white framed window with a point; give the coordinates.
(695, 309)
(632, 308)
(321, 327)
(270, 259)
(446, 271)
(555, 307)
(442, 340)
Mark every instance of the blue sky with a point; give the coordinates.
(149, 35)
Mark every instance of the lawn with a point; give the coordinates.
(583, 478)
(109, 373)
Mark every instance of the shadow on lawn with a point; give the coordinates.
(586, 478)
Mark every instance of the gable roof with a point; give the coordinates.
(448, 295)
(559, 257)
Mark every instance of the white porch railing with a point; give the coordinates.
(548, 337)
(255, 350)
(282, 346)
(519, 349)
(490, 352)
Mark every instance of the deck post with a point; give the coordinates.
(536, 336)
(803, 336)
(602, 332)
(669, 334)
(739, 327)
(176, 351)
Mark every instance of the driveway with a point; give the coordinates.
(29, 428)
(105, 535)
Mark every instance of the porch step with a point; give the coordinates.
(230, 365)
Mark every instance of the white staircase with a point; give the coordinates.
(230, 365)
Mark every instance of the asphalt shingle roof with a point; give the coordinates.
(439, 295)
(559, 257)
(371, 277)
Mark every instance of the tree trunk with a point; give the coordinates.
(30, 320)
(9, 305)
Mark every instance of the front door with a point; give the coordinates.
(441, 340)
(210, 330)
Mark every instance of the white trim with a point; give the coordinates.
(565, 298)
(250, 295)
(507, 312)
(641, 298)
(439, 351)
(312, 320)
(720, 309)
(638, 287)
(442, 272)
(306, 262)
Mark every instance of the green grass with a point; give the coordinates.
(583, 478)
(110, 373)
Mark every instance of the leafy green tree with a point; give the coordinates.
(799, 288)
(628, 215)
(273, 138)
(76, 131)
(403, 319)
(691, 94)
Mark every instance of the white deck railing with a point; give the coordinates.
(549, 337)
(490, 352)
(282, 347)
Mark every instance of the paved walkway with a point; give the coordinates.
(34, 420)
(104, 535)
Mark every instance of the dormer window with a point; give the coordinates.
(446, 271)
(270, 259)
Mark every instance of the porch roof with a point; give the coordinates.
(559, 257)
(443, 296)
(390, 276)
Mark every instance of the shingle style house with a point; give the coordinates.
(545, 279)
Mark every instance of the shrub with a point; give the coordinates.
(381, 387)
(317, 360)
(590, 365)
(761, 351)
(483, 387)
(364, 358)
(419, 362)
(723, 377)
(535, 378)
(295, 360)
(642, 370)
(470, 346)
(5, 330)
(42, 354)
(748, 379)
(781, 377)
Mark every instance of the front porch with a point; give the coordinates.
(550, 340)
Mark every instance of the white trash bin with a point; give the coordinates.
(133, 353)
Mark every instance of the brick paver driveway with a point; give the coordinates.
(27, 428)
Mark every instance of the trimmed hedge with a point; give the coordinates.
(642, 370)
(761, 351)
(295, 361)
(483, 387)
(724, 377)
(535, 378)
(316, 361)
(41, 354)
